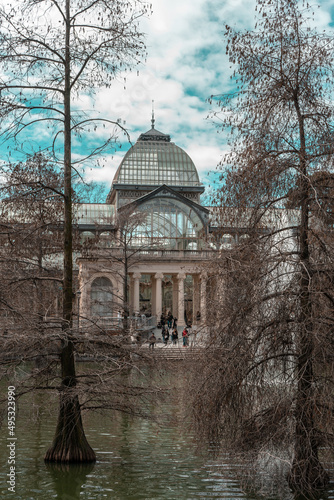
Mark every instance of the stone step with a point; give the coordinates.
(176, 353)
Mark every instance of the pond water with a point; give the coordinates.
(136, 459)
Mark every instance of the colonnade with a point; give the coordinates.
(178, 301)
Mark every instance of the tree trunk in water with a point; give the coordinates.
(70, 443)
(307, 474)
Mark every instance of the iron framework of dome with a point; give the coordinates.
(155, 161)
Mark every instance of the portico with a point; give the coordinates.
(155, 304)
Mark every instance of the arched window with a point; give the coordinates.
(168, 224)
(86, 235)
(104, 239)
(227, 241)
(101, 297)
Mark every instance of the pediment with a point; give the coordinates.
(167, 192)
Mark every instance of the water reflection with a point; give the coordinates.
(136, 460)
(68, 479)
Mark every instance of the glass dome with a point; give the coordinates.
(154, 160)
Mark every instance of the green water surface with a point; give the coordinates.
(136, 459)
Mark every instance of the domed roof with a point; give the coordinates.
(155, 160)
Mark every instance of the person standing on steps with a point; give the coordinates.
(165, 334)
(185, 337)
(169, 319)
(162, 319)
(152, 340)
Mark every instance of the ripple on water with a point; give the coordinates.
(135, 461)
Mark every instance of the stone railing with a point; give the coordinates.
(158, 254)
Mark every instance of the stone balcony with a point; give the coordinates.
(161, 255)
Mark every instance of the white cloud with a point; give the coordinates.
(205, 157)
(186, 64)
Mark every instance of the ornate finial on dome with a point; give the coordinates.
(154, 134)
(153, 120)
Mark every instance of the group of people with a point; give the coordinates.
(167, 323)
(165, 334)
(168, 320)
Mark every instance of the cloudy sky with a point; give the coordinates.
(186, 64)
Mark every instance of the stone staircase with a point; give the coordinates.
(176, 353)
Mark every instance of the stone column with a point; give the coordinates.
(203, 280)
(84, 287)
(175, 296)
(136, 279)
(180, 278)
(158, 294)
(130, 283)
(196, 297)
(153, 296)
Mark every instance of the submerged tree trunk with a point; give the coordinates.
(307, 473)
(70, 444)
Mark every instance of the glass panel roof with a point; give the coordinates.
(155, 163)
(93, 213)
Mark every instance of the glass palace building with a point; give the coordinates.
(145, 245)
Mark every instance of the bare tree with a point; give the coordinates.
(31, 234)
(270, 378)
(51, 52)
(30, 306)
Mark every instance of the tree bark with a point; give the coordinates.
(70, 444)
(307, 473)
